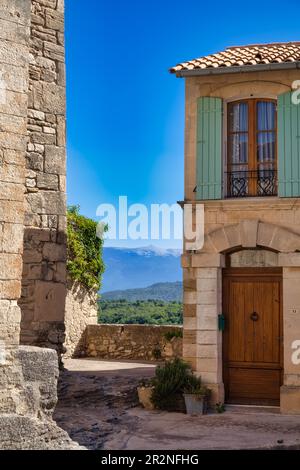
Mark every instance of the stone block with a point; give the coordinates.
(34, 161)
(12, 192)
(54, 252)
(11, 238)
(10, 266)
(206, 285)
(189, 285)
(233, 235)
(49, 97)
(10, 289)
(189, 310)
(265, 234)
(207, 310)
(50, 300)
(189, 323)
(207, 260)
(207, 365)
(206, 298)
(285, 241)
(207, 323)
(55, 20)
(189, 350)
(190, 298)
(248, 233)
(61, 131)
(206, 351)
(47, 202)
(207, 337)
(55, 160)
(12, 174)
(219, 240)
(12, 212)
(47, 181)
(206, 273)
(290, 400)
(13, 157)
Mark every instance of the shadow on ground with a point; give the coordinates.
(94, 397)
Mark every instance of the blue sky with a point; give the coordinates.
(125, 111)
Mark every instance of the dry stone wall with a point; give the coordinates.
(44, 269)
(137, 342)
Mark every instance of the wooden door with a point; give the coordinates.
(252, 339)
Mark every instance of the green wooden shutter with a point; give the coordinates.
(288, 146)
(209, 154)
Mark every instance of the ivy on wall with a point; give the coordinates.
(84, 254)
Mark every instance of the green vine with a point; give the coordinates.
(84, 254)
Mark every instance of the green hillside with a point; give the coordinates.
(165, 291)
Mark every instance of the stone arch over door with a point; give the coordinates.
(203, 301)
(252, 234)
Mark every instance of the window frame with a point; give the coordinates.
(253, 164)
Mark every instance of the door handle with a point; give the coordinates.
(254, 316)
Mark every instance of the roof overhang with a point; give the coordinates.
(235, 69)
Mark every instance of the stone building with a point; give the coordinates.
(32, 219)
(242, 162)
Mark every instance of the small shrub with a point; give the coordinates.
(169, 383)
(194, 387)
(173, 334)
(220, 407)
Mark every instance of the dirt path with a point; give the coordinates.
(98, 408)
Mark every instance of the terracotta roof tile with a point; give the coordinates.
(238, 56)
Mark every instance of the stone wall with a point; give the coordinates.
(137, 342)
(28, 375)
(81, 311)
(14, 56)
(44, 269)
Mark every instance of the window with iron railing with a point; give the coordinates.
(252, 148)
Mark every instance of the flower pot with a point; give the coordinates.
(144, 394)
(195, 404)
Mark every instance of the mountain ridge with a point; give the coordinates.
(132, 268)
(164, 291)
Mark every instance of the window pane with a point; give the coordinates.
(265, 147)
(238, 145)
(266, 111)
(238, 117)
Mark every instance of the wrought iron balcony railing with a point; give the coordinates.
(252, 183)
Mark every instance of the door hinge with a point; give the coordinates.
(221, 322)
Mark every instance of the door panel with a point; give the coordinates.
(252, 340)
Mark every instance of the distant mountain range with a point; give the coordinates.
(166, 291)
(133, 268)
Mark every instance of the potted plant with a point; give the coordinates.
(196, 398)
(169, 383)
(145, 390)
